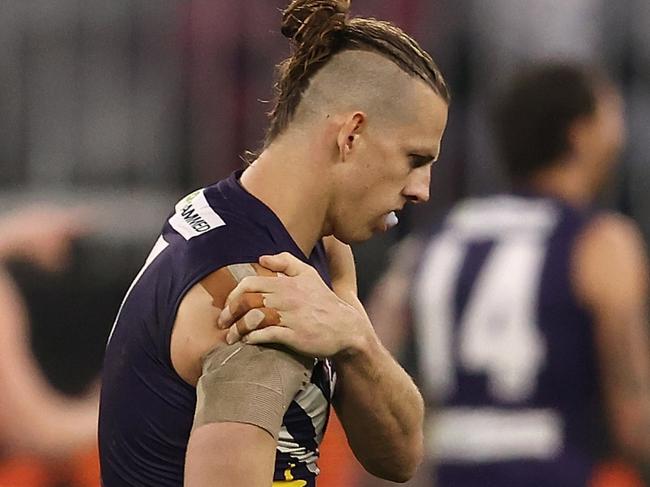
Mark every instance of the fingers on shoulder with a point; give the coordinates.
(272, 335)
(255, 319)
(285, 263)
(242, 303)
(223, 281)
(263, 271)
(610, 261)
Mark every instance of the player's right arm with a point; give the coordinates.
(243, 391)
(611, 277)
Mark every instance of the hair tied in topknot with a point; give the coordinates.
(312, 22)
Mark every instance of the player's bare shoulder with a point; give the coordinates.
(195, 333)
(610, 260)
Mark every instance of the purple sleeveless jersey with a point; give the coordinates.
(146, 409)
(505, 350)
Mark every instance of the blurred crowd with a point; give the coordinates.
(112, 110)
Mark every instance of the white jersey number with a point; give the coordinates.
(497, 330)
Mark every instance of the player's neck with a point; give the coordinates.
(566, 182)
(295, 187)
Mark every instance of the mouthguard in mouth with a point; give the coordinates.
(391, 219)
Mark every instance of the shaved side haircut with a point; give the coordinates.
(319, 31)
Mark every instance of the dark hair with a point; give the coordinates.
(533, 116)
(319, 29)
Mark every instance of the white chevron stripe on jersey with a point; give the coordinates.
(288, 445)
(315, 406)
(494, 217)
(331, 374)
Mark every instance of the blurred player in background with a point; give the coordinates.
(527, 306)
(41, 430)
(360, 114)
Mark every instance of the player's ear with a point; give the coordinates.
(349, 134)
(581, 134)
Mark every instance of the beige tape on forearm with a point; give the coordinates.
(249, 384)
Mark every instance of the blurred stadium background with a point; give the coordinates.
(120, 107)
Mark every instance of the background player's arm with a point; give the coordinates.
(611, 277)
(34, 417)
(47, 240)
(388, 304)
(226, 451)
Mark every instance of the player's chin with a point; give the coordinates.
(358, 235)
(360, 230)
(369, 232)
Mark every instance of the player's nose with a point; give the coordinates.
(417, 189)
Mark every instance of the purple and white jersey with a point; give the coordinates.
(146, 409)
(505, 350)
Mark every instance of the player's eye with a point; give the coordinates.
(419, 160)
